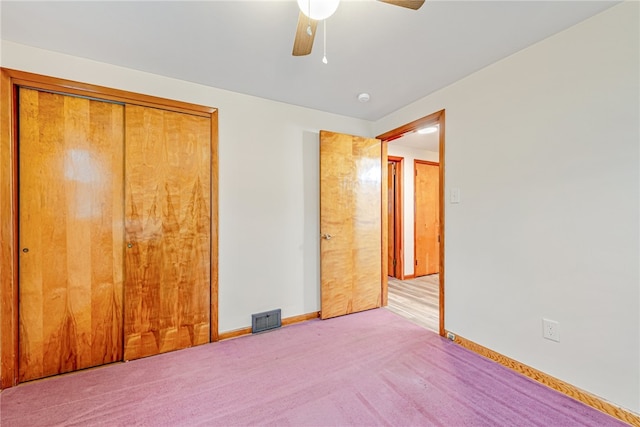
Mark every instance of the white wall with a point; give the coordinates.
(409, 154)
(544, 146)
(269, 250)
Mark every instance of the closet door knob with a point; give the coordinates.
(129, 245)
(25, 250)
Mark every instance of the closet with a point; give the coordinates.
(115, 230)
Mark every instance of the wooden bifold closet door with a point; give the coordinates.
(114, 232)
(70, 233)
(168, 232)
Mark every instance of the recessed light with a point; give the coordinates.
(364, 97)
(430, 129)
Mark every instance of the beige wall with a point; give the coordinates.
(544, 147)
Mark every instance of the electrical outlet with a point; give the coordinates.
(551, 330)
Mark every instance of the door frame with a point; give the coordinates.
(398, 241)
(437, 118)
(10, 80)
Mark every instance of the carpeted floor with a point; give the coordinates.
(365, 369)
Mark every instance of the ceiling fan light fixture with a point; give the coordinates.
(318, 9)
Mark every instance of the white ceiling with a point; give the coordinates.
(395, 54)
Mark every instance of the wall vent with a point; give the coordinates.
(264, 321)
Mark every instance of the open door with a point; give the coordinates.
(351, 223)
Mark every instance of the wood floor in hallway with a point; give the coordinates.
(416, 300)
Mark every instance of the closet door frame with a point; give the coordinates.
(10, 81)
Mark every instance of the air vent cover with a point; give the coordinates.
(264, 321)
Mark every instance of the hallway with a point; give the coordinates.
(416, 300)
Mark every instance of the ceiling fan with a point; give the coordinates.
(312, 11)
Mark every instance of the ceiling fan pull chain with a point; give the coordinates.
(309, 32)
(324, 36)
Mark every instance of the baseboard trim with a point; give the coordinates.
(551, 382)
(409, 276)
(285, 322)
(234, 333)
(300, 318)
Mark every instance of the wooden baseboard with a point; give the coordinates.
(300, 318)
(551, 382)
(234, 334)
(285, 322)
(409, 276)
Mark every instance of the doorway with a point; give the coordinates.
(437, 121)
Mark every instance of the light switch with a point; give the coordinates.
(455, 195)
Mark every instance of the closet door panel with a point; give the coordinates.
(168, 232)
(70, 233)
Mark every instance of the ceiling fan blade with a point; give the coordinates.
(409, 4)
(304, 42)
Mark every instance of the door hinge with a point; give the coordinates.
(438, 238)
(416, 262)
(394, 262)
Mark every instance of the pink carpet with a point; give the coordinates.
(366, 369)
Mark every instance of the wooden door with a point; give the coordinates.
(391, 224)
(168, 231)
(70, 233)
(427, 218)
(351, 223)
